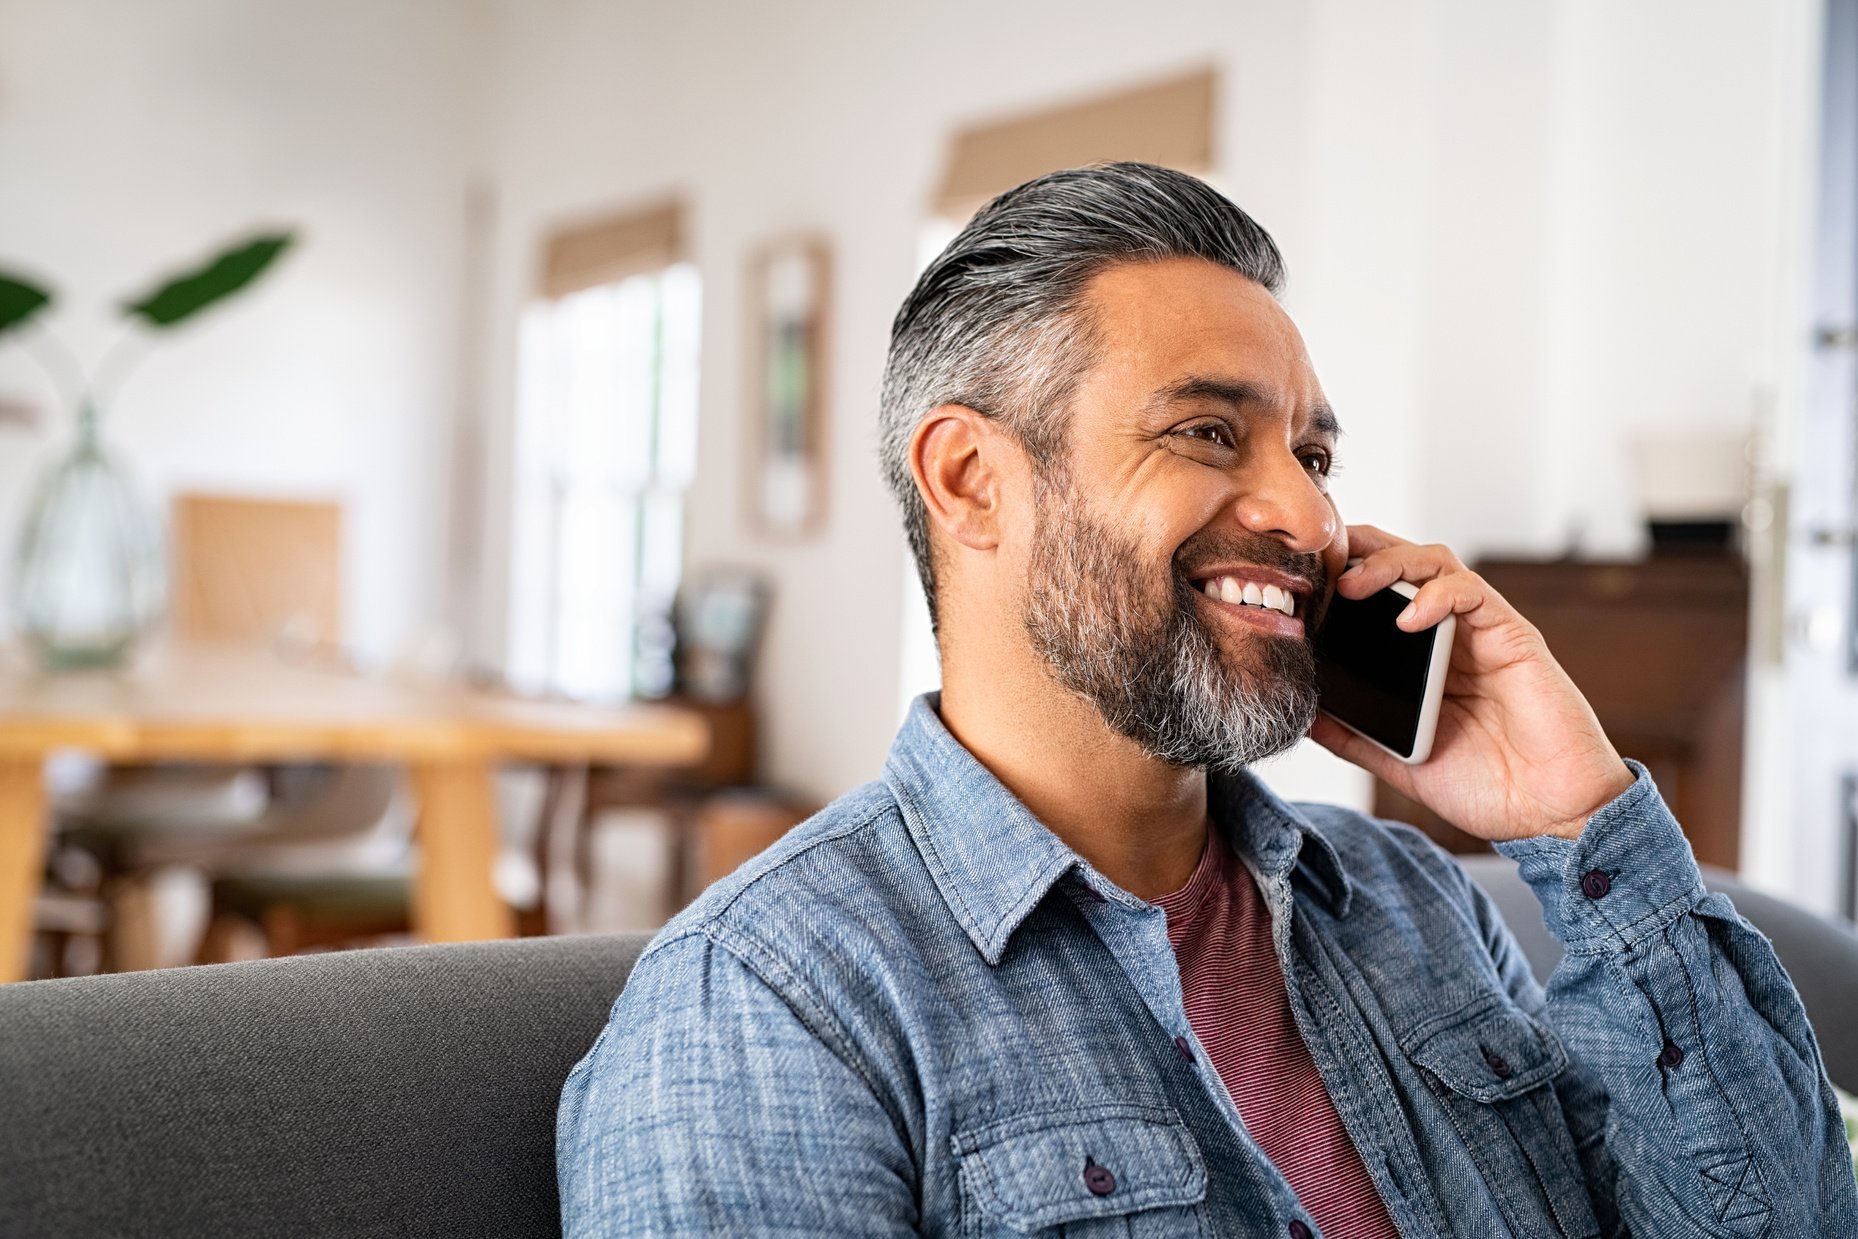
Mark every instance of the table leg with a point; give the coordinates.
(454, 898)
(22, 856)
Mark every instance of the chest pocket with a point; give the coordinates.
(1493, 1069)
(1096, 1171)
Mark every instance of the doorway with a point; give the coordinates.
(1820, 550)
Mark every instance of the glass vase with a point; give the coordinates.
(90, 578)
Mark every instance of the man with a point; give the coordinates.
(1069, 967)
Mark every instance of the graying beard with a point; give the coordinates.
(1160, 680)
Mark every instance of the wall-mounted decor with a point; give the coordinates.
(788, 298)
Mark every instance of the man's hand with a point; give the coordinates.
(1519, 752)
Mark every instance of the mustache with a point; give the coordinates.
(1211, 547)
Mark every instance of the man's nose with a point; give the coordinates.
(1280, 498)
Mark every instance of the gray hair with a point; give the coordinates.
(997, 321)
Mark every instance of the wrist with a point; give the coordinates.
(1607, 792)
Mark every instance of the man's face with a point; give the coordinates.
(1185, 543)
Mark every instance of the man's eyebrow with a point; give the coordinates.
(1322, 418)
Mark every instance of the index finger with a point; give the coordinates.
(1364, 540)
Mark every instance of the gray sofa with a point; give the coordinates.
(407, 1091)
(410, 1091)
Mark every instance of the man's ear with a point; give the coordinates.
(957, 455)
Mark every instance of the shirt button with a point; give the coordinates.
(1499, 1067)
(1184, 1048)
(1098, 1178)
(1671, 1056)
(1299, 1231)
(1595, 884)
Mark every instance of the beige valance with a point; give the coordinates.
(1168, 122)
(611, 248)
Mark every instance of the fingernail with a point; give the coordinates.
(1412, 609)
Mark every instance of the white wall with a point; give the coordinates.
(1516, 235)
(135, 138)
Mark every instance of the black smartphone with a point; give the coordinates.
(1379, 681)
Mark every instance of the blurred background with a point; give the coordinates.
(563, 394)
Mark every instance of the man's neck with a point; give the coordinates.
(1141, 822)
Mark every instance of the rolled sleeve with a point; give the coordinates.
(1717, 1114)
(1623, 882)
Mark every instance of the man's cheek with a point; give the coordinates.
(1322, 593)
(1335, 555)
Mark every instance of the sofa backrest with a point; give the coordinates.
(408, 1091)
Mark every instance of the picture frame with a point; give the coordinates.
(789, 297)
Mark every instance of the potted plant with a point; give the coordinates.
(89, 578)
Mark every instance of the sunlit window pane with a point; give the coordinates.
(605, 446)
(677, 423)
(595, 591)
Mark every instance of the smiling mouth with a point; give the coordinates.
(1248, 593)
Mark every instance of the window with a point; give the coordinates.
(606, 441)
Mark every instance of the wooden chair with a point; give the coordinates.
(246, 571)
(264, 571)
(716, 813)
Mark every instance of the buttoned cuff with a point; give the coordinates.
(1628, 876)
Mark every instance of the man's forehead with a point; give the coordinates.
(1185, 329)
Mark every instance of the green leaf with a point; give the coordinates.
(19, 301)
(186, 295)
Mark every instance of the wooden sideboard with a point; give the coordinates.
(1659, 647)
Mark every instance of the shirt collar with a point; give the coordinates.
(1276, 837)
(993, 861)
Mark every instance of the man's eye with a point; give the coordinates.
(1316, 461)
(1212, 432)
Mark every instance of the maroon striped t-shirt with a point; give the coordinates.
(1221, 932)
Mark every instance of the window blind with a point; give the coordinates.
(1167, 122)
(608, 249)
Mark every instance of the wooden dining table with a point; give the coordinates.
(231, 704)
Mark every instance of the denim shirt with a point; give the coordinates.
(922, 1013)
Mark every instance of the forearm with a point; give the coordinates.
(1719, 1119)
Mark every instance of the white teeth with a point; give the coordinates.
(1250, 593)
